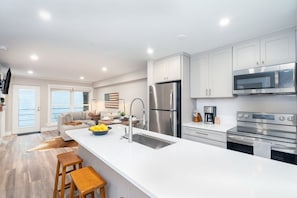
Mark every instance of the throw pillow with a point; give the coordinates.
(68, 118)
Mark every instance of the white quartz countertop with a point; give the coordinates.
(188, 169)
(213, 127)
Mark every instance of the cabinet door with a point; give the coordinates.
(168, 69)
(160, 71)
(220, 73)
(279, 48)
(246, 55)
(205, 136)
(174, 68)
(199, 76)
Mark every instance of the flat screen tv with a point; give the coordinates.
(6, 82)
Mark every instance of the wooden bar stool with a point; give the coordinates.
(65, 160)
(87, 180)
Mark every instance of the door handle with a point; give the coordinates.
(170, 121)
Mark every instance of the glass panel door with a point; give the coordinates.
(26, 109)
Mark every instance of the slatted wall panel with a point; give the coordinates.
(111, 100)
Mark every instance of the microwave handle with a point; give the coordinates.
(276, 79)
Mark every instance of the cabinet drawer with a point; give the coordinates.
(205, 141)
(207, 134)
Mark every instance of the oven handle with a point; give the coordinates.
(281, 146)
(250, 142)
(240, 140)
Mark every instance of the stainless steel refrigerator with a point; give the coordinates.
(165, 108)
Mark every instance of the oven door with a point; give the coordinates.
(240, 143)
(280, 151)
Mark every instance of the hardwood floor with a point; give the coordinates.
(27, 174)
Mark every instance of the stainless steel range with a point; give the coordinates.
(270, 135)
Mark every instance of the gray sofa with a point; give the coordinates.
(80, 116)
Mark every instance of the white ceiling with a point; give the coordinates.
(85, 35)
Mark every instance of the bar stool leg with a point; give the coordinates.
(93, 195)
(56, 180)
(102, 192)
(63, 182)
(72, 189)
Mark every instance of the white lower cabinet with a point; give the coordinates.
(215, 138)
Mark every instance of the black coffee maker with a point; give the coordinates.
(209, 114)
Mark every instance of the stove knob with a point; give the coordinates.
(246, 116)
(281, 118)
(290, 118)
(240, 115)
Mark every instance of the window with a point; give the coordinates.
(65, 99)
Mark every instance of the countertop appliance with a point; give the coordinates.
(277, 79)
(209, 114)
(165, 108)
(270, 135)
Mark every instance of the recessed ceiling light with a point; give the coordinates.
(82, 78)
(224, 22)
(45, 15)
(3, 47)
(34, 57)
(30, 72)
(149, 50)
(181, 36)
(104, 69)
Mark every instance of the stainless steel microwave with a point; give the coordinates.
(276, 79)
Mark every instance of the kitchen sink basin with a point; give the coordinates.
(150, 141)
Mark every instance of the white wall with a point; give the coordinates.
(127, 91)
(227, 108)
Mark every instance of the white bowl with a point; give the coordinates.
(106, 118)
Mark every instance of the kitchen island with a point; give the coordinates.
(183, 169)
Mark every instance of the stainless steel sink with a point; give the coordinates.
(150, 141)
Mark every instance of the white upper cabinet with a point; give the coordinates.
(273, 49)
(211, 74)
(278, 49)
(168, 69)
(246, 54)
(199, 75)
(220, 73)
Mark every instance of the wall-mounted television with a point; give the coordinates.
(4, 84)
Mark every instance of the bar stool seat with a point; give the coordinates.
(87, 180)
(65, 160)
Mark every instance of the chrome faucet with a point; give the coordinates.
(130, 134)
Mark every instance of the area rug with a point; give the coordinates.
(56, 142)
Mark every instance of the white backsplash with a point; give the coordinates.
(227, 107)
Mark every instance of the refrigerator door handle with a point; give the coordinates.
(171, 100)
(170, 120)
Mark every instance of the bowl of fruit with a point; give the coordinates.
(100, 129)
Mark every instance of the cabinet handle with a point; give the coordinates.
(257, 63)
(206, 92)
(199, 133)
(262, 62)
(209, 92)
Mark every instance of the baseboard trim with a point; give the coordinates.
(48, 128)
